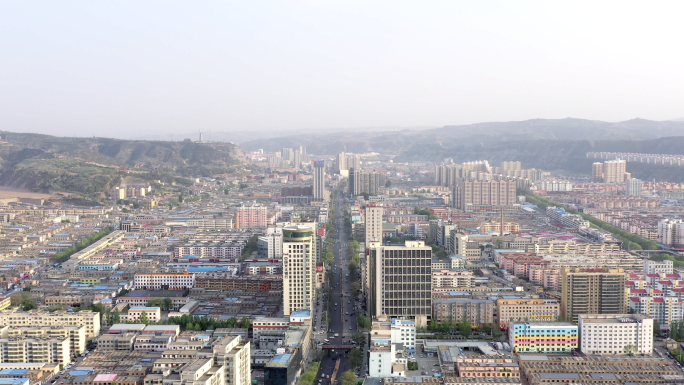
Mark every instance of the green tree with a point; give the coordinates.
(465, 328)
(232, 322)
(143, 318)
(349, 378)
(245, 323)
(28, 304)
(167, 304)
(495, 331)
(630, 349)
(360, 339)
(97, 307)
(656, 327)
(363, 322)
(356, 358)
(309, 377)
(116, 317)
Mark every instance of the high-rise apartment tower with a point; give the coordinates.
(592, 291)
(319, 180)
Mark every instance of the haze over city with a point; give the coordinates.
(341, 193)
(157, 69)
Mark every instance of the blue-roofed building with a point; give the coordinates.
(14, 381)
(13, 372)
(76, 373)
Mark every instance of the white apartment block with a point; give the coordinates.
(404, 332)
(380, 357)
(164, 281)
(54, 350)
(373, 222)
(270, 245)
(665, 310)
(153, 314)
(89, 319)
(201, 371)
(610, 333)
(235, 354)
(655, 267)
(299, 267)
(75, 334)
(390, 343)
(211, 249)
(211, 224)
(457, 243)
(671, 232)
(451, 278)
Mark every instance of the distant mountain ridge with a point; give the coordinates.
(91, 165)
(474, 134)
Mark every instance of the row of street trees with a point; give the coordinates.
(630, 241)
(464, 328)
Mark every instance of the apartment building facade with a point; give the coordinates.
(469, 194)
(510, 310)
(543, 337)
(592, 291)
(443, 279)
(52, 350)
(89, 319)
(478, 311)
(252, 216)
(75, 334)
(615, 333)
(164, 281)
(299, 267)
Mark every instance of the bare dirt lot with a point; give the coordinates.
(9, 193)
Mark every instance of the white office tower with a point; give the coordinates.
(299, 267)
(319, 180)
(633, 186)
(611, 333)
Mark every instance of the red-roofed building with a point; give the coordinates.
(665, 310)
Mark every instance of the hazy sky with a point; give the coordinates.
(128, 68)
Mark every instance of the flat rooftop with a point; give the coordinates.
(560, 376)
(547, 324)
